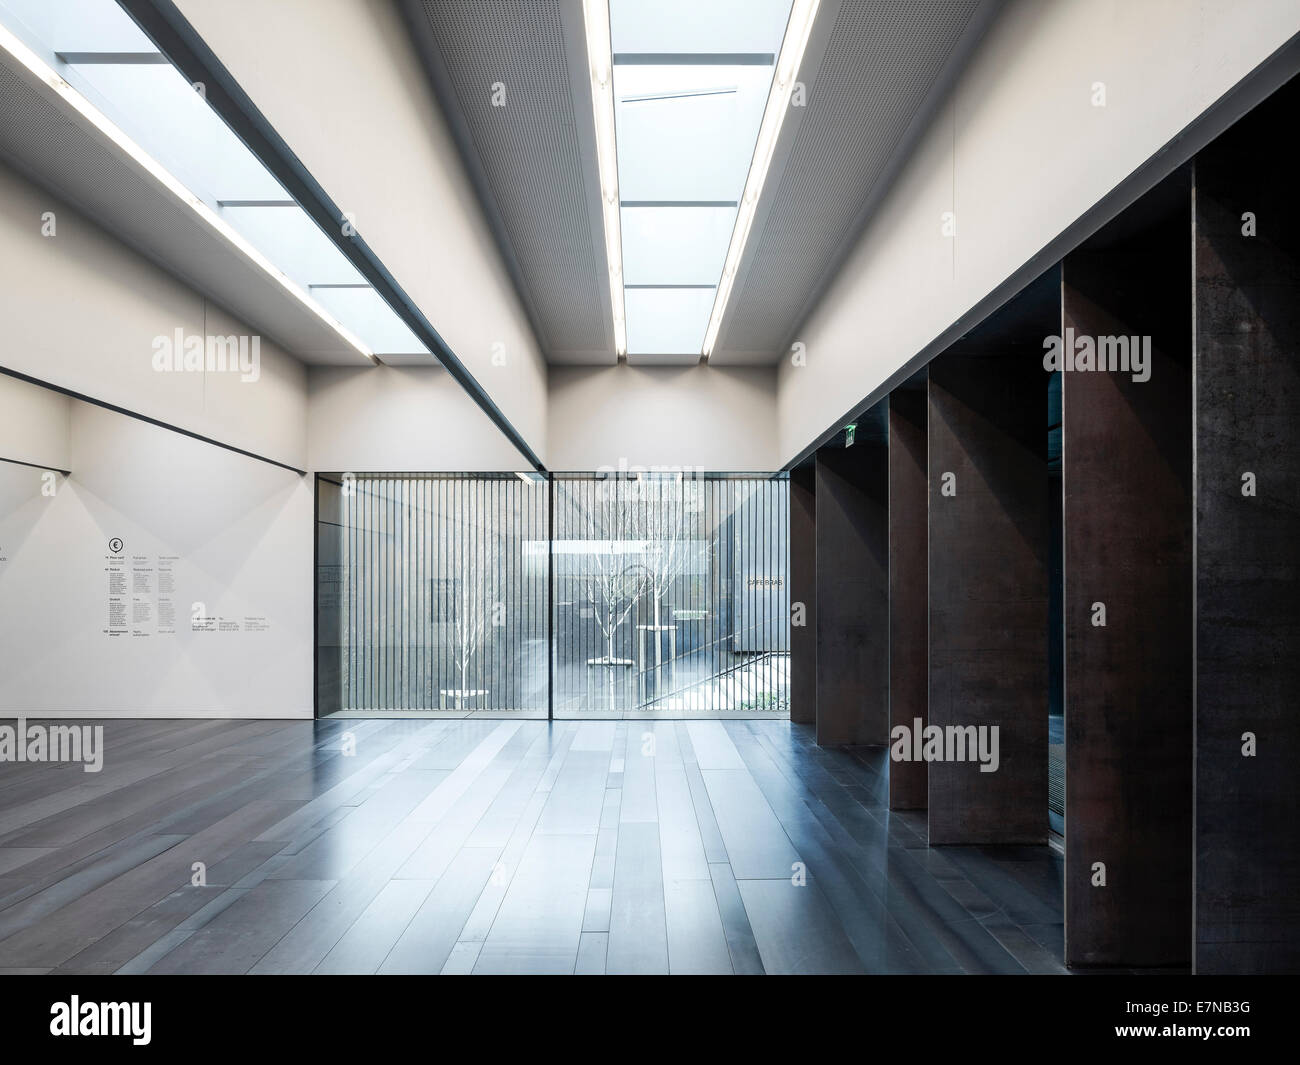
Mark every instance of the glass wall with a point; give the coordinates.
(671, 595)
(658, 595)
(432, 593)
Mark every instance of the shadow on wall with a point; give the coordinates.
(164, 577)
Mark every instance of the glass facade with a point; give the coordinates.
(657, 595)
(671, 595)
(432, 593)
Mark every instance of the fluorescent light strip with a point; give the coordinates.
(106, 126)
(797, 31)
(600, 59)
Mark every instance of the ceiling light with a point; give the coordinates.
(797, 31)
(108, 128)
(600, 62)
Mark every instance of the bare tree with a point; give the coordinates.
(667, 506)
(475, 601)
(615, 578)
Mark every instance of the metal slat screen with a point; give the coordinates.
(672, 595)
(658, 595)
(444, 593)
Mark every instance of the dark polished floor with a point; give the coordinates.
(497, 846)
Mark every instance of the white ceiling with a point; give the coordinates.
(166, 148)
(874, 71)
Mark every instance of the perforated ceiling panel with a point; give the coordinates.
(874, 79)
(882, 59)
(503, 71)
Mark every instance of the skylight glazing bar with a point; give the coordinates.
(697, 59)
(679, 203)
(143, 59)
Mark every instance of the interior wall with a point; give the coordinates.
(1129, 606)
(1020, 120)
(852, 564)
(35, 424)
(908, 518)
(1247, 411)
(341, 82)
(706, 417)
(986, 444)
(83, 312)
(803, 594)
(400, 419)
(198, 524)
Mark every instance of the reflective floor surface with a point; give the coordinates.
(476, 846)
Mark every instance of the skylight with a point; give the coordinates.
(692, 99)
(114, 75)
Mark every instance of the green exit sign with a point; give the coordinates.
(849, 431)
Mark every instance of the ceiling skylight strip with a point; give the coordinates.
(37, 66)
(798, 30)
(600, 60)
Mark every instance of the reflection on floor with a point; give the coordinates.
(424, 846)
(700, 685)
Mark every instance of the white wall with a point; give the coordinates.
(35, 424)
(1019, 153)
(341, 83)
(81, 311)
(241, 533)
(721, 419)
(390, 419)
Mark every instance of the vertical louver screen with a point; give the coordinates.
(670, 597)
(444, 593)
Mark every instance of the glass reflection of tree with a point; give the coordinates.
(668, 544)
(477, 555)
(609, 584)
